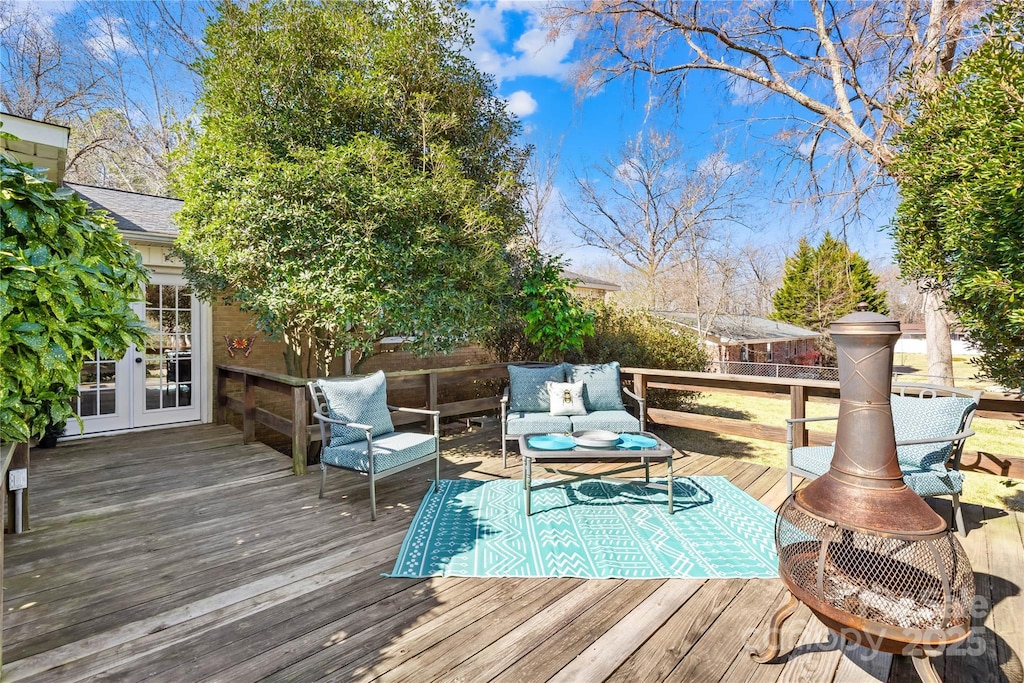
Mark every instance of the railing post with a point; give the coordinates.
(300, 433)
(248, 409)
(640, 388)
(19, 460)
(221, 398)
(798, 409)
(431, 397)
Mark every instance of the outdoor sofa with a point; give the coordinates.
(526, 404)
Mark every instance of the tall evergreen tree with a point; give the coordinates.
(824, 283)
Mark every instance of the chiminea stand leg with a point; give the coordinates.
(923, 666)
(771, 650)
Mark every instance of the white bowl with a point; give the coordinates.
(595, 438)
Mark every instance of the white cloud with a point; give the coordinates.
(106, 37)
(534, 52)
(521, 103)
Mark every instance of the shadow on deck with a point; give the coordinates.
(181, 555)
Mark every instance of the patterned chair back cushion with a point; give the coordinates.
(528, 392)
(926, 418)
(363, 400)
(602, 388)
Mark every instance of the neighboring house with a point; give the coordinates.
(750, 338)
(913, 340)
(590, 287)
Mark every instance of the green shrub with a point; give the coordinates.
(637, 339)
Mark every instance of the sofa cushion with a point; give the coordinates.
(602, 389)
(536, 423)
(389, 451)
(363, 400)
(612, 420)
(927, 418)
(566, 398)
(527, 392)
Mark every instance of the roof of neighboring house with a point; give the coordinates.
(591, 282)
(134, 212)
(742, 329)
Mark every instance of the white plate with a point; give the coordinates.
(596, 438)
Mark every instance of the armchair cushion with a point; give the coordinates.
(363, 400)
(389, 451)
(927, 418)
(527, 390)
(814, 459)
(602, 388)
(611, 420)
(931, 482)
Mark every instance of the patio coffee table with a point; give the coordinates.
(637, 458)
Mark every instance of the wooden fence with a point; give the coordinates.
(298, 428)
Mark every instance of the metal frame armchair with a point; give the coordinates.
(928, 472)
(378, 456)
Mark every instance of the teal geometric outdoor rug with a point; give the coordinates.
(592, 530)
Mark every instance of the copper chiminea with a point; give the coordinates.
(865, 553)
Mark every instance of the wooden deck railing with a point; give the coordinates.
(12, 455)
(298, 426)
(429, 382)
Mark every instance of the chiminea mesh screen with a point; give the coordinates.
(901, 582)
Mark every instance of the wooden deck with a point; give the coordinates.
(181, 555)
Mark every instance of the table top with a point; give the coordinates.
(658, 452)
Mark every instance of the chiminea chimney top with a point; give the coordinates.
(864, 487)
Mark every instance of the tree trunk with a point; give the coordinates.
(936, 329)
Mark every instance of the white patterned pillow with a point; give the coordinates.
(363, 400)
(566, 398)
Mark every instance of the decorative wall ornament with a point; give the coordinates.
(242, 344)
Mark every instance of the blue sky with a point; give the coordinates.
(534, 75)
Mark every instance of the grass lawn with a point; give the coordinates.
(1004, 437)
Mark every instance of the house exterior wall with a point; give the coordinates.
(792, 352)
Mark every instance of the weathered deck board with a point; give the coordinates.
(182, 555)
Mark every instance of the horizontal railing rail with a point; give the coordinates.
(300, 429)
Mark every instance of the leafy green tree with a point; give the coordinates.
(356, 176)
(960, 169)
(555, 319)
(822, 284)
(66, 285)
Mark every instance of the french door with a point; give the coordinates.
(156, 385)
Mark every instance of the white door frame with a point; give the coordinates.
(154, 370)
(130, 382)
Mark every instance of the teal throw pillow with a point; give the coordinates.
(528, 392)
(916, 418)
(602, 388)
(363, 400)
